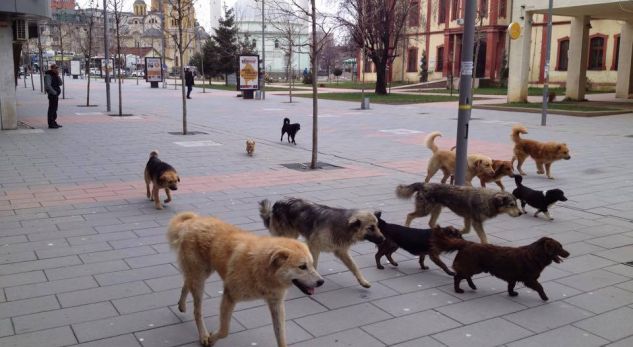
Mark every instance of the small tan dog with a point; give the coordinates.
(444, 160)
(250, 147)
(543, 153)
(162, 176)
(503, 168)
(251, 266)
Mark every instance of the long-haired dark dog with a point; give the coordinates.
(162, 176)
(325, 228)
(414, 241)
(536, 198)
(511, 264)
(290, 129)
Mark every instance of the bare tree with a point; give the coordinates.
(377, 26)
(86, 39)
(117, 11)
(319, 23)
(181, 13)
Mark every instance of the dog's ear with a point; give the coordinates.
(378, 214)
(550, 246)
(354, 223)
(278, 257)
(478, 162)
(178, 178)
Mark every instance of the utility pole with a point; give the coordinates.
(162, 32)
(106, 54)
(547, 60)
(465, 87)
(263, 55)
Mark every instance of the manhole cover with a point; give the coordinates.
(207, 143)
(306, 166)
(188, 133)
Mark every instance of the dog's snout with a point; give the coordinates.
(320, 282)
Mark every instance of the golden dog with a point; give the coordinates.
(543, 153)
(252, 267)
(250, 147)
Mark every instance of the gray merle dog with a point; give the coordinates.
(325, 228)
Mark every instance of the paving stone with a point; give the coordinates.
(141, 241)
(563, 336)
(260, 316)
(126, 227)
(82, 297)
(620, 255)
(80, 240)
(353, 295)
(138, 274)
(613, 325)
(119, 341)
(183, 333)
(493, 332)
(423, 341)
(411, 283)
(341, 319)
(56, 234)
(547, 317)
(349, 338)
(120, 325)
(63, 251)
(6, 328)
(66, 316)
(583, 263)
(46, 288)
(554, 291)
(57, 337)
(38, 265)
(165, 282)
(22, 307)
(17, 257)
(410, 327)
(602, 300)
(622, 343)
(86, 269)
(150, 260)
(592, 280)
(146, 301)
(400, 305)
(471, 311)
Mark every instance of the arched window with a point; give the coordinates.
(563, 55)
(276, 43)
(596, 53)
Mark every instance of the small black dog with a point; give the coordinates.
(414, 241)
(537, 199)
(290, 129)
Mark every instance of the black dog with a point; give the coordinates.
(290, 129)
(535, 198)
(414, 241)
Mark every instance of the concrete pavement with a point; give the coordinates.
(84, 261)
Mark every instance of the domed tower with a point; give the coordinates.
(140, 8)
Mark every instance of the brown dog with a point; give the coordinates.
(502, 169)
(162, 176)
(250, 147)
(543, 153)
(251, 267)
(445, 160)
(511, 264)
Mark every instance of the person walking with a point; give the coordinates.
(52, 84)
(189, 82)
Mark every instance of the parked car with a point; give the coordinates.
(138, 73)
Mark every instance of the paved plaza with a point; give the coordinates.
(84, 259)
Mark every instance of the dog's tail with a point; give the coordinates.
(430, 141)
(443, 243)
(406, 191)
(516, 131)
(265, 212)
(518, 179)
(286, 120)
(153, 153)
(174, 231)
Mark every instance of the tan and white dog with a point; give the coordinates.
(251, 266)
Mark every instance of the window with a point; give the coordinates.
(596, 53)
(483, 8)
(616, 52)
(503, 8)
(414, 14)
(454, 9)
(412, 60)
(254, 42)
(439, 59)
(276, 43)
(563, 55)
(441, 11)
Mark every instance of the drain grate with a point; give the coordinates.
(306, 166)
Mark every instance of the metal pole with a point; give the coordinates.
(106, 54)
(162, 32)
(61, 45)
(546, 67)
(465, 86)
(263, 55)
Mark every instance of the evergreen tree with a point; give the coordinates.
(226, 44)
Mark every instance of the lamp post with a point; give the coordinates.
(547, 60)
(263, 54)
(106, 54)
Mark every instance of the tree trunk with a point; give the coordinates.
(315, 98)
(381, 79)
(88, 87)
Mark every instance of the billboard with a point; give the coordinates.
(249, 72)
(153, 71)
(75, 67)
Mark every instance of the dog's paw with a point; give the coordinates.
(394, 263)
(167, 201)
(459, 290)
(523, 173)
(424, 267)
(364, 283)
(207, 340)
(159, 207)
(182, 307)
(550, 177)
(450, 273)
(513, 293)
(380, 267)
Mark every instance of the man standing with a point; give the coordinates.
(188, 81)
(52, 84)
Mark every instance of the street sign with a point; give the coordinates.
(514, 30)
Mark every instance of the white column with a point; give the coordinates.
(519, 61)
(577, 61)
(624, 84)
(8, 109)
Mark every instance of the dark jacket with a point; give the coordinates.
(188, 78)
(52, 83)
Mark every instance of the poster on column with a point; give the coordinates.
(249, 72)
(153, 71)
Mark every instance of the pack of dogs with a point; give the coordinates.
(265, 267)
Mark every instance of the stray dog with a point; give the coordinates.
(252, 267)
(414, 241)
(162, 176)
(511, 264)
(445, 160)
(290, 129)
(543, 153)
(541, 201)
(475, 205)
(502, 168)
(325, 228)
(250, 147)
